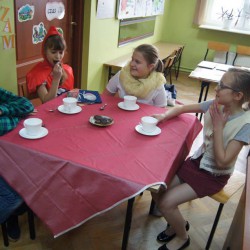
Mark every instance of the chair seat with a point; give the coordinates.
(235, 182)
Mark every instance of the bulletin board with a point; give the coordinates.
(139, 8)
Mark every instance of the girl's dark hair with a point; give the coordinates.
(150, 53)
(55, 42)
(241, 82)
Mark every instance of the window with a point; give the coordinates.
(227, 14)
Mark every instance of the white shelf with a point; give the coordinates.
(231, 30)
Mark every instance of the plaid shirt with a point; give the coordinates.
(13, 108)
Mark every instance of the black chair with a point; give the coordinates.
(168, 64)
(24, 208)
(217, 47)
(177, 62)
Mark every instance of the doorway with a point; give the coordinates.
(28, 49)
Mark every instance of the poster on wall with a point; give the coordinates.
(38, 33)
(26, 13)
(158, 7)
(105, 9)
(55, 10)
(139, 8)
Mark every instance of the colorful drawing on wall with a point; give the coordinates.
(26, 13)
(38, 33)
(55, 10)
(139, 8)
(158, 7)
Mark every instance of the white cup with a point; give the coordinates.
(33, 126)
(129, 101)
(148, 123)
(69, 104)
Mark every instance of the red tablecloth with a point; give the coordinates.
(80, 170)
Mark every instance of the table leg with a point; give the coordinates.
(127, 223)
(204, 85)
(110, 73)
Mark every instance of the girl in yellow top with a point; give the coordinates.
(142, 78)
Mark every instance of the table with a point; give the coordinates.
(165, 50)
(79, 170)
(208, 72)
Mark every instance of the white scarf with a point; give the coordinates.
(140, 87)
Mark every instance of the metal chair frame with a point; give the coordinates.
(217, 46)
(31, 227)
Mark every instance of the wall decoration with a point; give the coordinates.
(8, 38)
(105, 9)
(158, 7)
(139, 8)
(55, 10)
(38, 33)
(26, 13)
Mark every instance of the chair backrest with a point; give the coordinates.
(221, 49)
(23, 91)
(242, 55)
(168, 63)
(178, 54)
(235, 182)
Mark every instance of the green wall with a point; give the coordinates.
(103, 46)
(101, 39)
(7, 56)
(179, 28)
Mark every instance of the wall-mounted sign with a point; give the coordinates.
(55, 10)
(26, 13)
(38, 33)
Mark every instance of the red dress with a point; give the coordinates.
(41, 72)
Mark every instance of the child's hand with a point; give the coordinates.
(57, 71)
(159, 117)
(219, 118)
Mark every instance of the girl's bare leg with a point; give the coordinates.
(168, 202)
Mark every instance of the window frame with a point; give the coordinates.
(207, 17)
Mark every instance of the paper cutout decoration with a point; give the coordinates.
(38, 33)
(26, 13)
(8, 42)
(55, 10)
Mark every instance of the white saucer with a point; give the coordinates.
(139, 129)
(75, 111)
(121, 105)
(42, 133)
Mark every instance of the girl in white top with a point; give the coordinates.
(226, 130)
(141, 77)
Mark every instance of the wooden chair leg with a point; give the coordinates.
(216, 220)
(5, 235)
